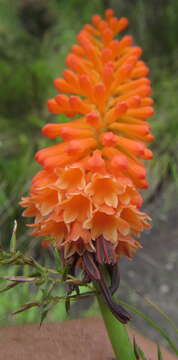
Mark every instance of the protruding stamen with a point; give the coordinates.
(96, 163)
(107, 55)
(100, 96)
(107, 74)
(105, 251)
(109, 139)
(119, 163)
(80, 146)
(90, 267)
(93, 119)
(109, 13)
(78, 105)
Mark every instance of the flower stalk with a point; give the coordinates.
(116, 331)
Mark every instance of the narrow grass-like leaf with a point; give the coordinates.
(8, 287)
(135, 347)
(57, 259)
(44, 313)
(159, 354)
(153, 324)
(157, 308)
(138, 352)
(13, 238)
(20, 279)
(67, 305)
(161, 311)
(26, 307)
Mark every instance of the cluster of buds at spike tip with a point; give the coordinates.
(86, 198)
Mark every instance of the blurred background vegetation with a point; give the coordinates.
(35, 36)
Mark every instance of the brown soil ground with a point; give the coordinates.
(71, 340)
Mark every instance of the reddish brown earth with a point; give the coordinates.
(70, 340)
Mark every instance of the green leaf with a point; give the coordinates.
(67, 305)
(65, 272)
(46, 307)
(138, 352)
(8, 287)
(57, 259)
(13, 238)
(161, 311)
(26, 307)
(153, 324)
(160, 357)
(44, 313)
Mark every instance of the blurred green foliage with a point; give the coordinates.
(21, 296)
(35, 36)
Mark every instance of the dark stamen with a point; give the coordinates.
(71, 271)
(118, 311)
(104, 251)
(90, 266)
(86, 279)
(113, 271)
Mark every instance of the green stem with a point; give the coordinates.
(117, 332)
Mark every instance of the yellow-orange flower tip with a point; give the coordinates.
(85, 198)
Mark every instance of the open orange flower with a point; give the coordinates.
(86, 197)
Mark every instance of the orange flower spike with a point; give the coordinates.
(109, 13)
(134, 101)
(147, 101)
(122, 24)
(53, 106)
(116, 112)
(78, 105)
(126, 41)
(141, 113)
(107, 75)
(63, 102)
(63, 86)
(70, 179)
(134, 52)
(107, 36)
(142, 91)
(123, 72)
(80, 147)
(85, 198)
(71, 78)
(140, 70)
(58, 161)
(77, 50)
(51, 151)
(67, 133)
(106, 55)
(109, 139)
(132, 130)
(95, 163)
(132, 84)
(100, 97)
(86, 86)
(94, 119)
(89, 49)
(90, 29)
(54, 130)
(119, 163)
(77, 64)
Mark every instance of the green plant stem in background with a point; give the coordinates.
(117, 332)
